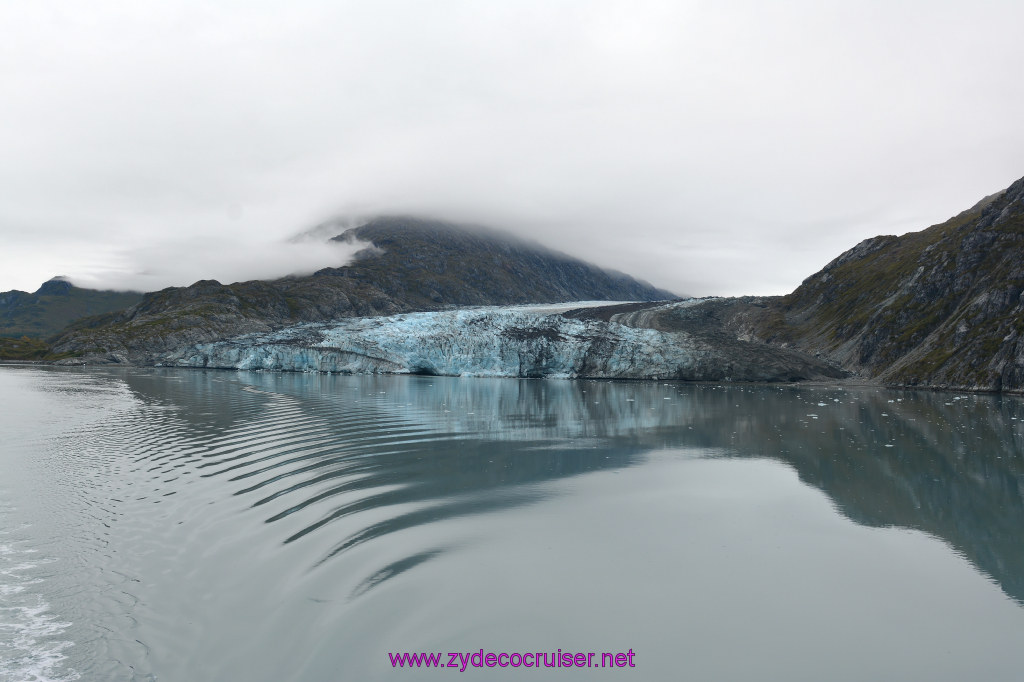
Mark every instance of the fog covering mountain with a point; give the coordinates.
(943, 307)
(409, 264)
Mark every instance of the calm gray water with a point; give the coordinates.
(195, 525)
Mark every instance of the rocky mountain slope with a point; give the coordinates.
(941, 308)
(54, 305)
(408, 265)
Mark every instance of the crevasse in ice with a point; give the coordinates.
(495, 342)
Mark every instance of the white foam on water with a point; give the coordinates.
(31, 647)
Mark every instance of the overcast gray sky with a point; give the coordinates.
(708, 147)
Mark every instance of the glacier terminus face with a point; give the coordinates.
(520, 341)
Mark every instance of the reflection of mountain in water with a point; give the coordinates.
(320, 450)
(324, 448)
(949, 466)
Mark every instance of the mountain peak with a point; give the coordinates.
(55, 286)
(414, 264)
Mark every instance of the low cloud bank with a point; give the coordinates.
(180, 263)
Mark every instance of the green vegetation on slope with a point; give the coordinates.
(23, 349)
(940, 307)
(55, 305)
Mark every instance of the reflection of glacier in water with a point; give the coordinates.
(253, 523)
(951, 466)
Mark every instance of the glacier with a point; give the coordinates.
(517, 341)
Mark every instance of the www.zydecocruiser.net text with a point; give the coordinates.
(462, 660)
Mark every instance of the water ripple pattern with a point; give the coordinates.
(318, 451)
(199, 522)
